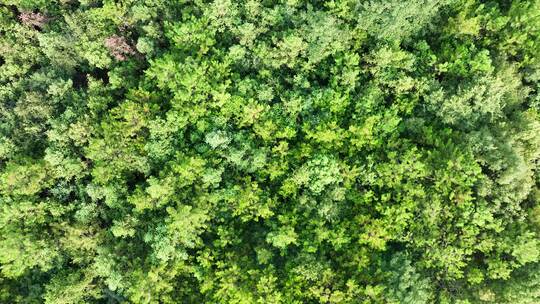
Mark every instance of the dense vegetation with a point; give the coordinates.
(269, 151)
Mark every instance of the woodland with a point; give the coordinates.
(270, 151)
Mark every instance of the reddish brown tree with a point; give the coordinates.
(119, 47)
(33, 19)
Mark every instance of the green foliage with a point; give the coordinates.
(269, 151)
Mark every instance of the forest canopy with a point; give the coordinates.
(270, 151)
